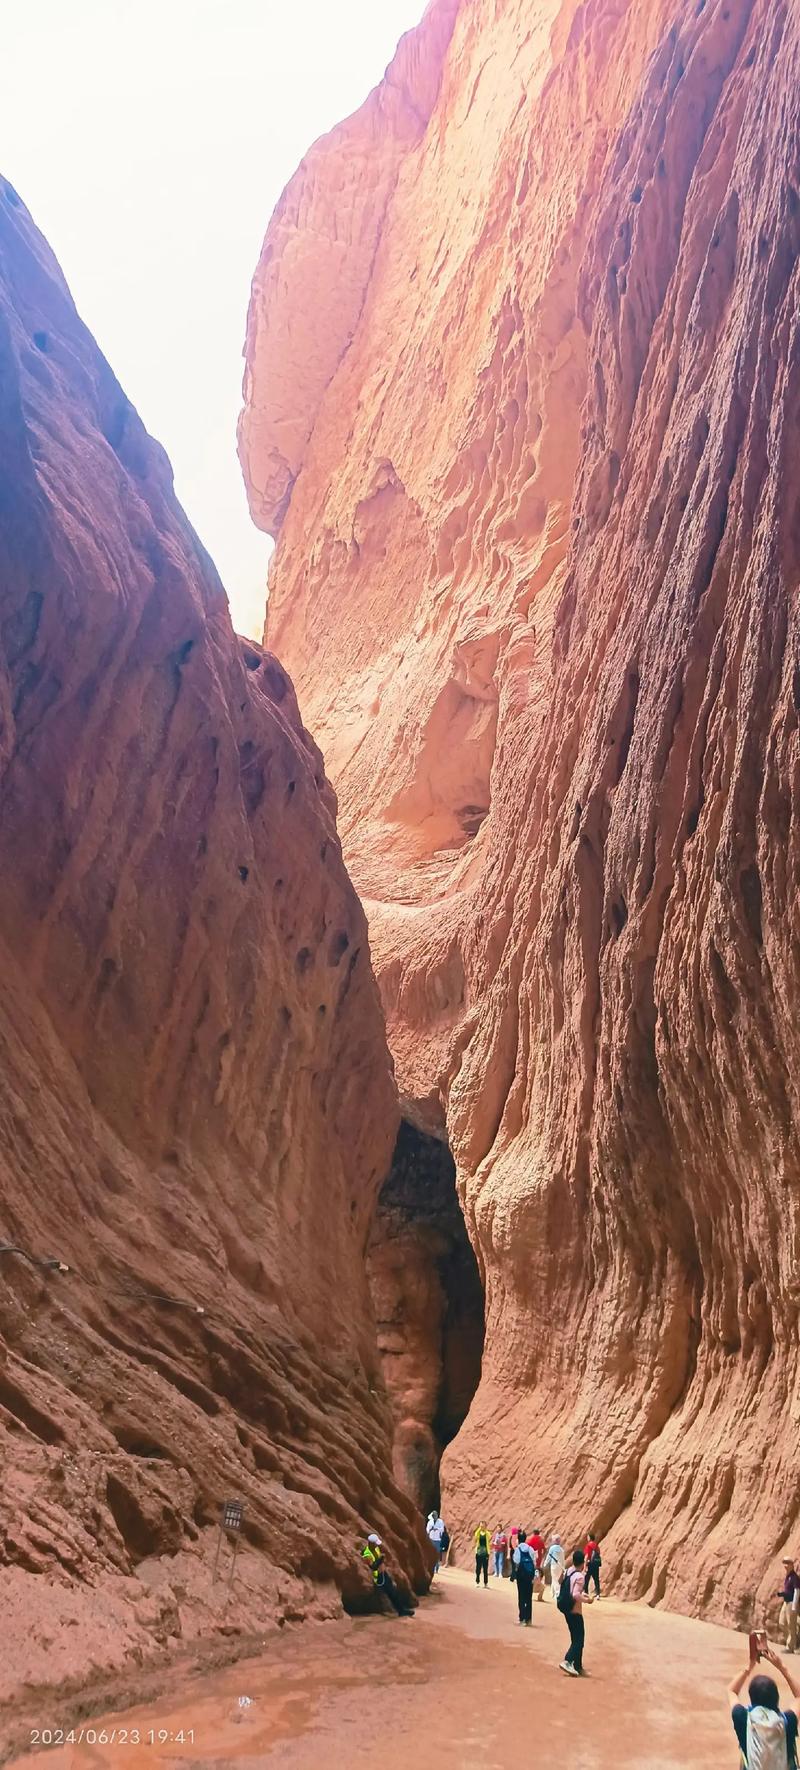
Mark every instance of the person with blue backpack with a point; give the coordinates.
(525, 1570)
(767, 1734)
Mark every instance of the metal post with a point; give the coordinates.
(230, 1524)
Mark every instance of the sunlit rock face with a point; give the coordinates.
(536, 579)
(197, 1107)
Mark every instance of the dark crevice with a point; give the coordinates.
(630, 699)
(750, 885)
(145, 1529)
(429, 1305)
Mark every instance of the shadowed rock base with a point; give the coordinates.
(428, 1301)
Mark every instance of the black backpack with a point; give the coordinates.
(565, 1601)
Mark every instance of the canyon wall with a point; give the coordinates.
(538, 523)
(428, 1301)
(196, 1100)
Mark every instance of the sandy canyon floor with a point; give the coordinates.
(461, 1685)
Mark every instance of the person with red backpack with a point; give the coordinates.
(767, 1734)
(571, 1599)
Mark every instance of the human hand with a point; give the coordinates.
(771, 1653)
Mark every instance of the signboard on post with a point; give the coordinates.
(230, 1525)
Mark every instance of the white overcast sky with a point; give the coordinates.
(151, 140)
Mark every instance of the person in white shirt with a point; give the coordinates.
(436, 1532)
(555, 1559)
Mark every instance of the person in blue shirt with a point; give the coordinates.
(767, 1734)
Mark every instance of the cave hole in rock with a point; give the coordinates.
(429, 1307)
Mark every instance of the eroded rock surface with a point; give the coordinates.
(428, 1302)
(537, 584)
(196, 1099)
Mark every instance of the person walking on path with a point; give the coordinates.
(436, 1535)
(571, 1599)
(376, 1561)
(525, 1565)
(536, 1546)
(790, 1608)
(555, 1560)
(482, 1555)
(594, 1562)
(499, 1546)
(767, 1734)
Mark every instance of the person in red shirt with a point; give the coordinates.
(594, 1562)
(536, 1544)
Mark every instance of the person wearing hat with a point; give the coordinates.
(790, 1608)
(375, 1559)
(555, 1563)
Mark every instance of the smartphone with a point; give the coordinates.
(758, 1641)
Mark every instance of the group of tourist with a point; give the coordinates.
(533, 1566)
(546, 1561)
(767, 1735)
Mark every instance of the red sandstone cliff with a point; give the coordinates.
(196, 1101)
(537, 583)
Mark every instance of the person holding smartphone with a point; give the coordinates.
(767, 1734)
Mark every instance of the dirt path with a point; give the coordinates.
(459, 1687)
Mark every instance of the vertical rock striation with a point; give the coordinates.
(537, 582)
(196, 1100)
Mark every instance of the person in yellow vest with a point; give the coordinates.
(482, 1554)
(376, 1561)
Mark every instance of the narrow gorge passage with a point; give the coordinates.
(429, 1307)
(529, 462)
